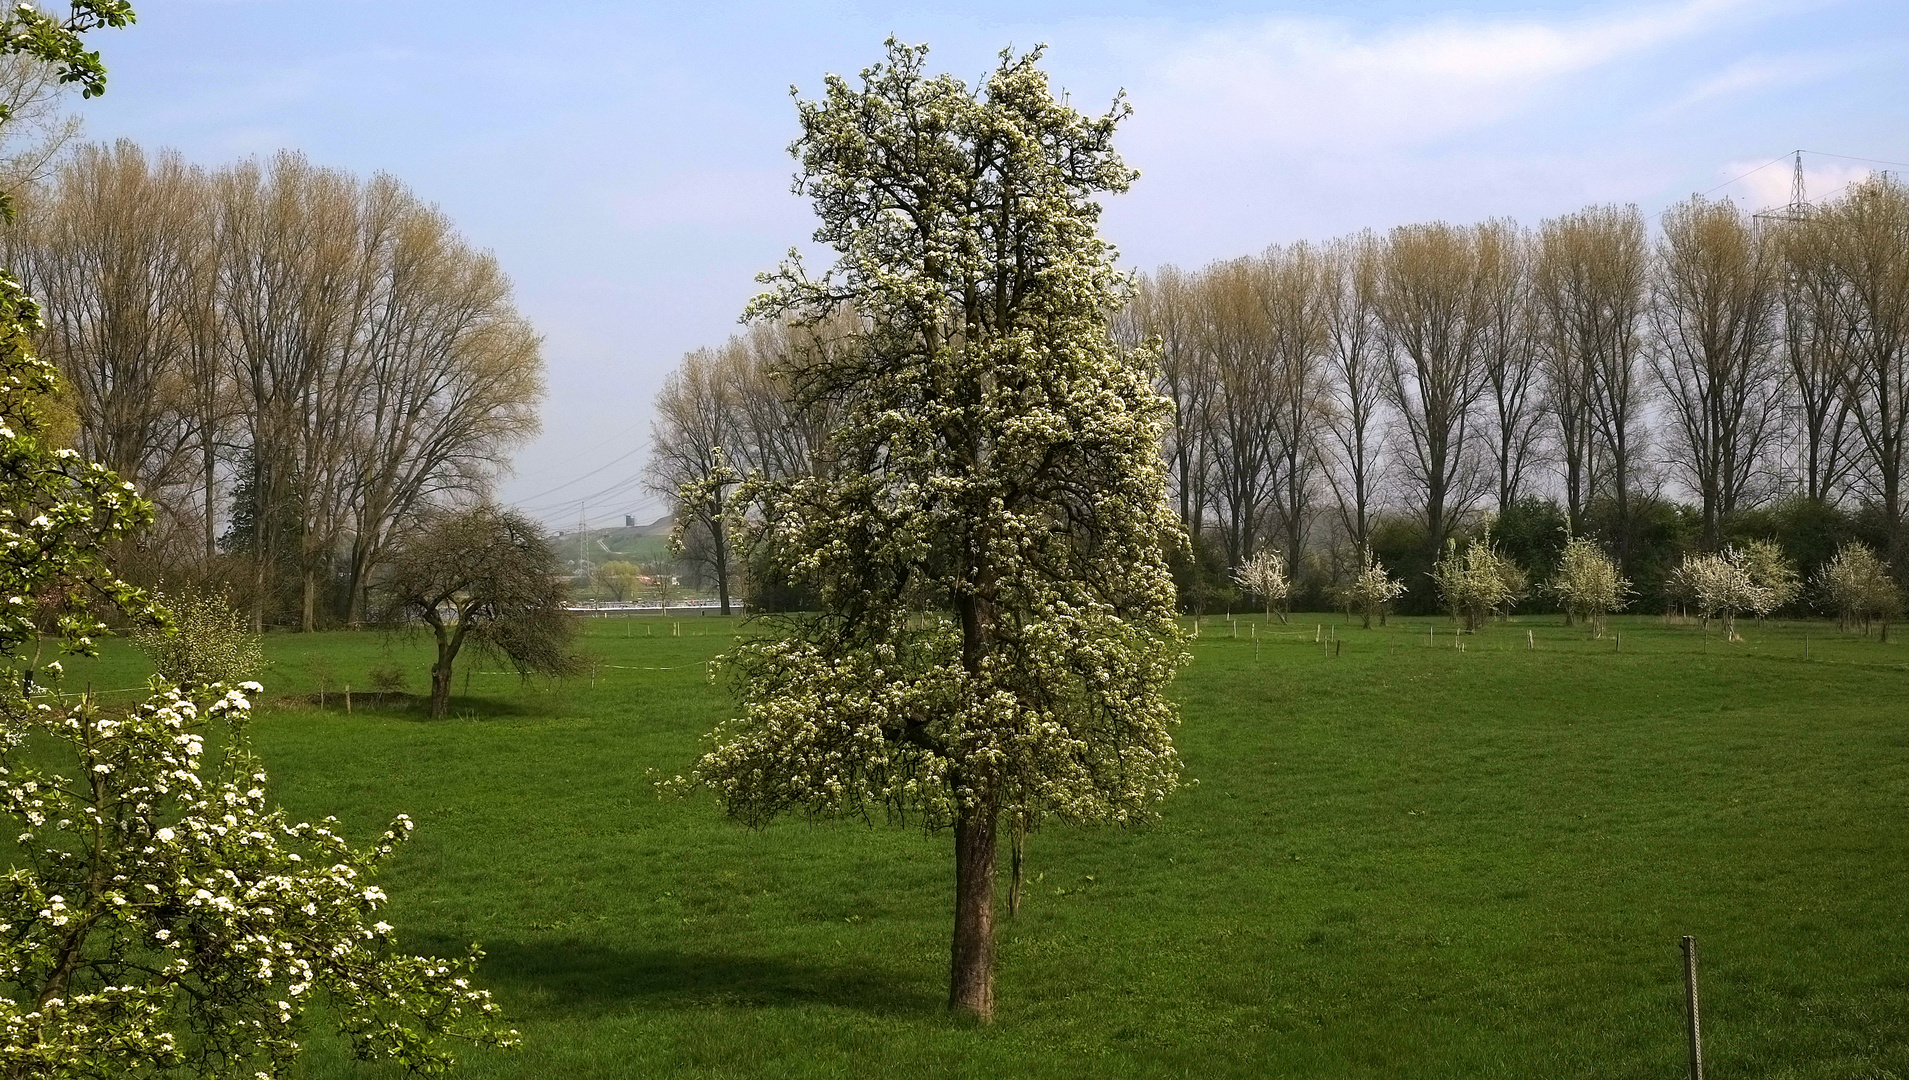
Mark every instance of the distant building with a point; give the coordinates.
(629, 521)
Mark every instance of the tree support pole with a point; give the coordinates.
(1690, 1001)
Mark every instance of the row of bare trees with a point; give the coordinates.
(1443, 370)
(292, 361)
(1444, 373)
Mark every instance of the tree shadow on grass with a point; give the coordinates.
(572, 977)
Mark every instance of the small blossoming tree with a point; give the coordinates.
(1772, 572)
(1372, 589)
(1477, 582)
(1264, 575)
(998, 460)
(1857, 584)
(1587, 584)
(1720, 588)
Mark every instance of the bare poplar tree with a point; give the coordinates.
(452, 375)
(778, 428)
(1355, 367)
(1433, 312)
(1591, 283)
(1167, 308)
(1714, 304)
(1242, 431)
(108, 247)
(1509, 355)
(1868, 236)
(1818, 342)
(1289, 284)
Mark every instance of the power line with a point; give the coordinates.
(552, 491)
(1852, 157)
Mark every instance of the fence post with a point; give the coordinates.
(1690, 1001)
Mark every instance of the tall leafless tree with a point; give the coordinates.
(1714, 294)
(1356, 373)
(1509, 356)
(1432, 308)
(1867, 231)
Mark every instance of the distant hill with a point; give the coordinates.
(635, 543)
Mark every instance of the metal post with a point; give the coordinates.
(1690, 996)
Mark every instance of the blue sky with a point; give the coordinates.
(628, 165)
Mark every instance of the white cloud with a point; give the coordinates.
(1750, 75)
(1306, 78)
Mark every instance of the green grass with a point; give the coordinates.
(1400, 861)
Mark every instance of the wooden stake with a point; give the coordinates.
(1690, 1001)
(347, 699)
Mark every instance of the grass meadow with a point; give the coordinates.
(1402, 860)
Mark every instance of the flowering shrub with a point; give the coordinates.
(161, 916)
(1587, 584)
(209, 642)
(1265, 575)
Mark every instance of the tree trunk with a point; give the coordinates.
(448, 643)
(440, 686)
(971, 972)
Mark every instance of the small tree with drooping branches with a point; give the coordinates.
(1264, 575)
(1857, 584)
(1588, 585)
(484, 576)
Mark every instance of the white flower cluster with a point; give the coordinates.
(162, 908)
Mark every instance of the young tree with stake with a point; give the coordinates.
(997, 458)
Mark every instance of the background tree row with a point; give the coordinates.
(291, 361)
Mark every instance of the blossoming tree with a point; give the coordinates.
(1720, 588)
(1857, 584)
(1265, 575)
(1587, 584)
(998, 461)
(1772, 572)
(1476, 581)
(1372, 590)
